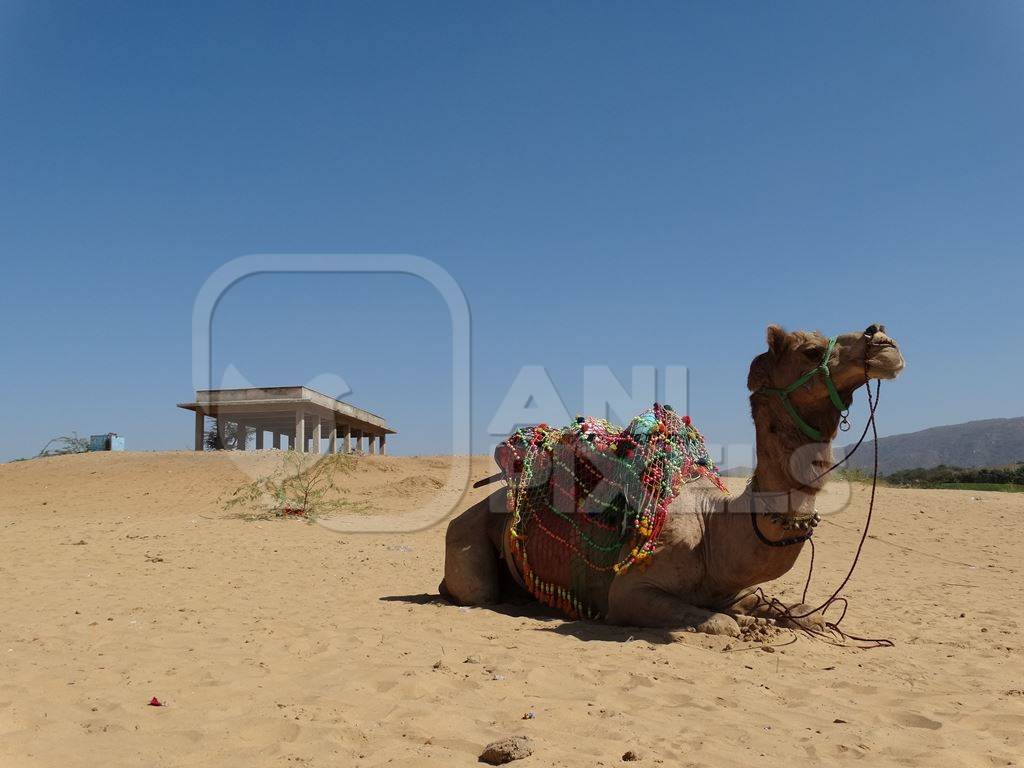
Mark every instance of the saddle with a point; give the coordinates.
(588, 501)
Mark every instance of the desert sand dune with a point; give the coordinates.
(279, 643)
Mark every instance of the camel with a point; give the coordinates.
(715, 550)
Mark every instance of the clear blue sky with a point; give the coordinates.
(610, 184)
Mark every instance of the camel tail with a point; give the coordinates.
(488, 480)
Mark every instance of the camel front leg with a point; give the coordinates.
(754, 605)
(647, 606)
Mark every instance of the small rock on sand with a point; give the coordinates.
(507, 750)
(631, 756)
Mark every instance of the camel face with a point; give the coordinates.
(855, 357)
(872, 351)
(884, 359)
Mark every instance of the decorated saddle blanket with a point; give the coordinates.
(588, 501)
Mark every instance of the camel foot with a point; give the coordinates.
(757, 607)
(719, 624)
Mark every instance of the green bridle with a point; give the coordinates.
(833, 394)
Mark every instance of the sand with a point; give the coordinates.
(279, 643)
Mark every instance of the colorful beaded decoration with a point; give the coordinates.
(589, 500)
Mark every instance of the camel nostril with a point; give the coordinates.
(873, 329)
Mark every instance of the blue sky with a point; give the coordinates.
(610, 184)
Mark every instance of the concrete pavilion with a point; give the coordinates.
(296, 417)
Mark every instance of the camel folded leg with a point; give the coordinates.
(651, 607)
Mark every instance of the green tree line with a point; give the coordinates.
(1012, 474)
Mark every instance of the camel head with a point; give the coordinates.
(792, 397)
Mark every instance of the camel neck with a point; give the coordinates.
(787, 475)
(783, 490)
(780, 499)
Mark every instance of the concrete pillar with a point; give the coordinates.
(382, 444)
(357, 435)
(242, 437)
(332, 436)
(200, 430)
(299, 443)
(347, 433)
(277, 439)
(316, 435)
(371, 445)
(259, 438)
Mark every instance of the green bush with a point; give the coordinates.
(943, 476)
(857, 476)
(301, 487)
(60, 446)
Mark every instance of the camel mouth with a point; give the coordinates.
(884, 360)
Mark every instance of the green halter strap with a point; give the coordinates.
(833, 394)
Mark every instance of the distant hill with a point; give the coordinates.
(986, 443)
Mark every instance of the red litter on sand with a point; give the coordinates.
(155, 702)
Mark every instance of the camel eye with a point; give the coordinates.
(811, 350)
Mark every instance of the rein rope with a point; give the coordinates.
(781, 609)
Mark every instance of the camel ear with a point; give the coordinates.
(776, 338)
(760, 372)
